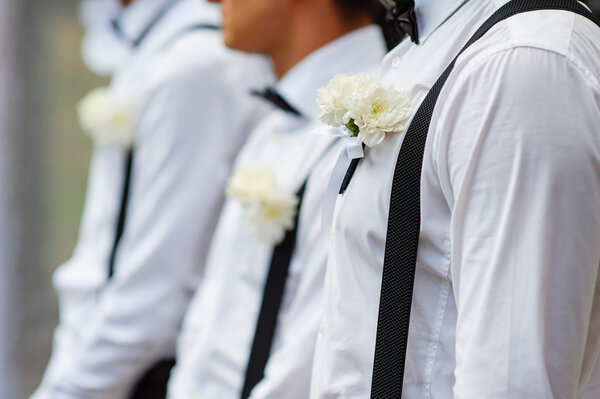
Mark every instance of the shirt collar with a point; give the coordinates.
(142, 17)
(358, 51)
(101, 50)
(104, 50)
(97, 13)
(431, 14)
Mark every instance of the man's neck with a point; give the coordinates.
(306, 37)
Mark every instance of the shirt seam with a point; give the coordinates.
(441, 311)
(469, 67)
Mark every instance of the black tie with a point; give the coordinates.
(127, 172)
(405, 218)
(402, 18)
(349, 173)
(153, 384)
(271, 303)
(273, 97)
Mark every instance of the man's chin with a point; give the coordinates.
(237, 43)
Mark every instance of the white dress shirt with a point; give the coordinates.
(194, 111)
(219, 327)
(506, 303)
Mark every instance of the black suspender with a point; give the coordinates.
(404, 220)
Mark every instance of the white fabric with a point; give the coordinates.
(102, 50)
(506, 302)
(194, 112)
(352, 150)
(111, 29)
(219, 327)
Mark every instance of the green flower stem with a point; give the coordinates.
(352, 127)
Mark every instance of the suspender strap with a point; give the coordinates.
(271, 303)
(404, 220)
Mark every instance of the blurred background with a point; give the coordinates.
(43, 168)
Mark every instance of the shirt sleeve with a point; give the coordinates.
(186, 142)
(519, 162)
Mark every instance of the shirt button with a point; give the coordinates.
(321, 329)
(396, 62)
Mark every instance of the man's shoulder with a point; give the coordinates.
(201, 56)
(553, 30)
(563, 33)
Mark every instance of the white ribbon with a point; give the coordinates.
(352, 150)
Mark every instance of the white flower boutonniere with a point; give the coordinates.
(107, 118)
(367, 108)
(268, 209)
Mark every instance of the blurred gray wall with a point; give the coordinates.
(21, 216)
(52, 168)
(10, 105)
(43, 166)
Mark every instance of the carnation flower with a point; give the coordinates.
(107, 118)
(251, 185)
(269, 211)
(331, 98)
(364, 106)
(272, 217)
(377, 111)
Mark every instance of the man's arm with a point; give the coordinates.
(186, 142)
(519, 159)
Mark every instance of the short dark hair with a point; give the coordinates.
(373, 8)
(352, 8)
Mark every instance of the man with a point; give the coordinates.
(250, 330)
(167, 130)
(507, 286)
